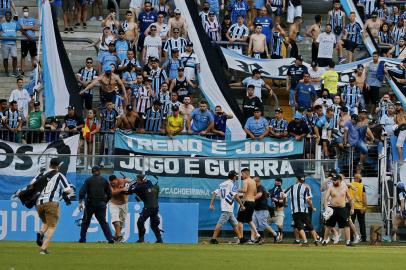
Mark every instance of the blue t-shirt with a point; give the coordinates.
(9, 29)
(129, 77)
(353, 135)
(171, 66)
(201, 120)
(256, 126)
(238, 8)
(305, 94)
(267, 25)
(28, 22)
(220, 122)
(108, 59)
(122, 46)
(145, 20)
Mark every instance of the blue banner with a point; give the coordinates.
(19, 223)
(193, 145)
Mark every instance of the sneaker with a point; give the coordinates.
(299, 38)
(76, 25)
(159, 241)
(276, 237)
(44, 252)
(84, 25)
(214, 241)
(66, 30)
(21, 72)
(71, 30)
(341, 60)
(336, 239)
(14, 74)
(357, 239)
(140, 241)
(250, 242)
(350, 244)
(101, 164)
(324, 243)
(242, 241)
(305, 244)
(258, 240)
(40, 238)
(100, 18)
(111, 241)
(82, 241)
(92, 18)
(296, 242)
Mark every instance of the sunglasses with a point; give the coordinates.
(89, 62)
(152, 29)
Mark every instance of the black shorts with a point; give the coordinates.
(341, 215)
(350, 45)
(246, 215)
(28, 46)
(274, 56)
(323, 62)
(371, 96)
(68, 5)
(301, 220)
(88, 99)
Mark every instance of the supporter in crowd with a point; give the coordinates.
(173, 101)
(68, 7)
(220, 123)
(297, 128)
(258, 47)
(237, 8)
(388, 120)
(383, 106)
(294, 76)
(277, 39)
(400, 133)
(72, 123)
(373, 24)
(90, 128)
(352, 36)
(130, 28)
(9, 28)
(129, 120)
(314, 32)
(173, 64)
(238, 32)
(256, 127)
(29, 26)
(212, 27)
(336, 19)
(201, 120)
(204, 13)
(250, 102)
(351, 96)
(84, 77)
(36, 124)
(323, 131)
(294, 30)
(152, 45)
(225, 26)
(13, 122)
(372, 82)
(186, 108)
(178, 21)
(278, 126)
(161, 27)
(257, 82)
(330, 79)
(7, 5)
(265, 21)
(175, 122)
(145, 19)
(326, 42)
(315, 76)
(108, 120)
(305, 93)
(359, 197)
(154, 118)
(22, 97)
(175, 42)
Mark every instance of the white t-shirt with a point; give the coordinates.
(152, 45)
(326, 45)
(316, 74)
(228, 187)
(23, 98)
(257, 83)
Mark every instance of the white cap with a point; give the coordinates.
(176, 10)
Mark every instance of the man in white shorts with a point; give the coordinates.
(118, 205)
(294, 10)
(227, 192)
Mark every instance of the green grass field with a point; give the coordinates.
(25, 255)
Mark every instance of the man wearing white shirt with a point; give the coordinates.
(326, 42)
(152, 45)
(22, 97)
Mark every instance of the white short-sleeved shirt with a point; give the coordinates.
(257, 83)
(224, 189)
(152, 45)
(23, 98)
(326, 45)
(316, 74)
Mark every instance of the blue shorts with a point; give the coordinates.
(260, 219)
(292, 93)
(362, 147)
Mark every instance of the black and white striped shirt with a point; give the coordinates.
(158, 77)
(204, 17)
(54, 189)
(299, 193)
(143, 99)
(87, 75)
(212, 29)
(168, 107)
(237, 31)
(172, 43)
(153, 119)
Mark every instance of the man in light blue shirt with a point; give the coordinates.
(29, 25)
(256, 126)
(202, 119)
(9, 28)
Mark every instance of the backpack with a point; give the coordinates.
(30, 194)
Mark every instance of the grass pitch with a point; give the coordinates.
(25, 255)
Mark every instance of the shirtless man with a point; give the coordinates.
(130, 28)
(314, 32)
(177, 22)
(245, 212)
(374, 24)
(336, 197)
(109, 83)
(118, 205)
(293, 32)
(128, 121)
(257, 47)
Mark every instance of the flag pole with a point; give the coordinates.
(40, 2)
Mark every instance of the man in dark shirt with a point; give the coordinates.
(148, 194)
(251, 102)
(220, 123)
(72, 123)
(295, 74)
(261, 213)
(297, 128)
(93, 197)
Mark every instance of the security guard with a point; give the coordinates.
(97, 192)
(148, 193)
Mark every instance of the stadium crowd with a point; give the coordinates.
(147, 74)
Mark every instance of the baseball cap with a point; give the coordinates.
(112, 43)
(55, 162)
(278, 110)
(189, 43)
(257, 109)
(175, 107)
(360, 66)
(404, 60)
(354, 117)
(154, 59)
(364, 111)
(70, 107)
(175, 50)
(95, 168)
(314, 63)
(211, 13)
(176, 11)
(352, 79)
(336, 177)
(181, 68)
(121, 31)
(298, 115)
(107, 68)
(232, 174)
(299, 57)
(256, 71)
(37, 103)
(398, 103)
(149, 79)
